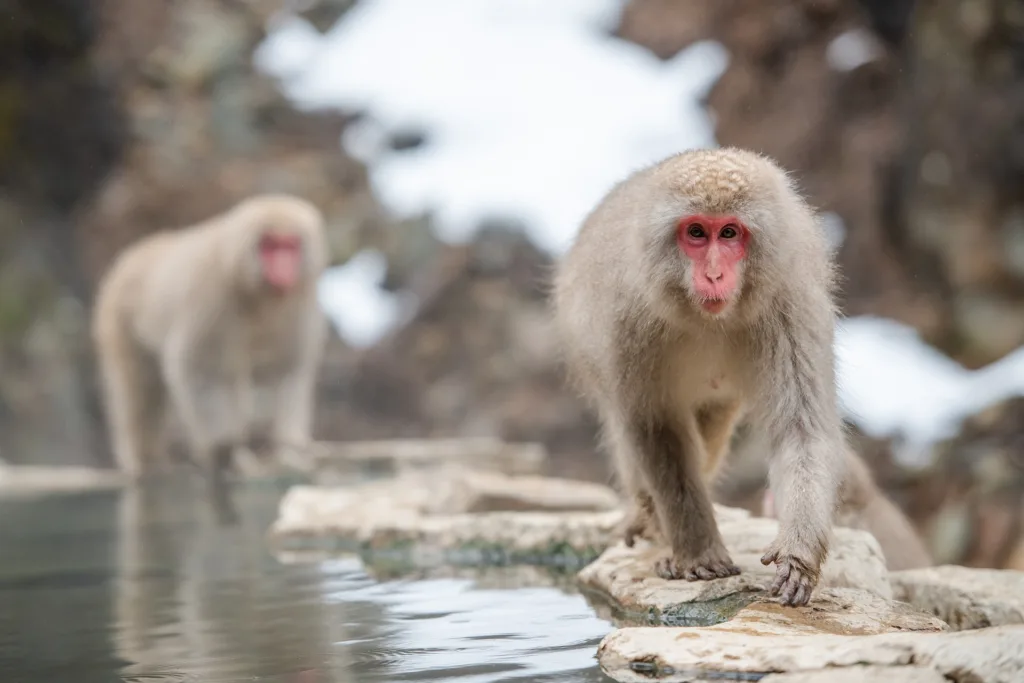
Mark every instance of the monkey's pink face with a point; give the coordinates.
(716, 247)
(281, 260)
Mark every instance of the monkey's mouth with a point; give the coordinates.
(714, 306)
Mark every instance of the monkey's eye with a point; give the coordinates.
(695, 231)
(728, 232)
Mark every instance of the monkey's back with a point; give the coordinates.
(154, 280)
(594, 294)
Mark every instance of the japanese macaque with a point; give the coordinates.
(220, 322)
(863, 505)
(699, 293)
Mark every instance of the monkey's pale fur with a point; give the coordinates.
(185, 317)
(670, 381)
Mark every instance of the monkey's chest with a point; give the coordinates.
(710, 381)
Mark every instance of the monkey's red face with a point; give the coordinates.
(716, 246)
(281, 260)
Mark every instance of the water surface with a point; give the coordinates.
(157, 584)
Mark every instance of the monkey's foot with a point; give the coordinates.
(714, 563)
(794, 581)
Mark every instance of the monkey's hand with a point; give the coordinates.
(639, 525)
(636, 528)
(794, 577)
(713, 563)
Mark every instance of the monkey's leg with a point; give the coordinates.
(210, 413)
(716, 422)
(669, 458)
(134, 405)
(640, 520)
(292, 421)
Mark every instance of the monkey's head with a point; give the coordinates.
(725, 225)
(283, 243)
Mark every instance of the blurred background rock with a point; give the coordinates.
(120, 117)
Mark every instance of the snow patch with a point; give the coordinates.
(353, 300)
(894, 385)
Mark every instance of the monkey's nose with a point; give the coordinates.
(714, 277)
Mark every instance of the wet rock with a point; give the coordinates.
(333, 460)
(427, 519)
(626, 575)
(717, 652)
(963, 597)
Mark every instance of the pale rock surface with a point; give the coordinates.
(469, 491)
(861, 674)
(963, 597)
(432, 516)
(627, 576)
(31, 480)
(726, 651)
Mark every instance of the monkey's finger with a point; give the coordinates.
(803, 594)
(781, 576)
(769, 557)
(734, 570)
(792, 585)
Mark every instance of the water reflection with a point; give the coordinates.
(158, 584)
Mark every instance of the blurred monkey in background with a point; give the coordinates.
(219, 321)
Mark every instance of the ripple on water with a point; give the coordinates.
(165, 591)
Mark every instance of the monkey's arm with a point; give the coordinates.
(799, 415)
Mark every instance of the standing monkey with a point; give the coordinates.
(221, 320)
(699, 293)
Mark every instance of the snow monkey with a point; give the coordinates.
(219, 320)
(699, 292)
